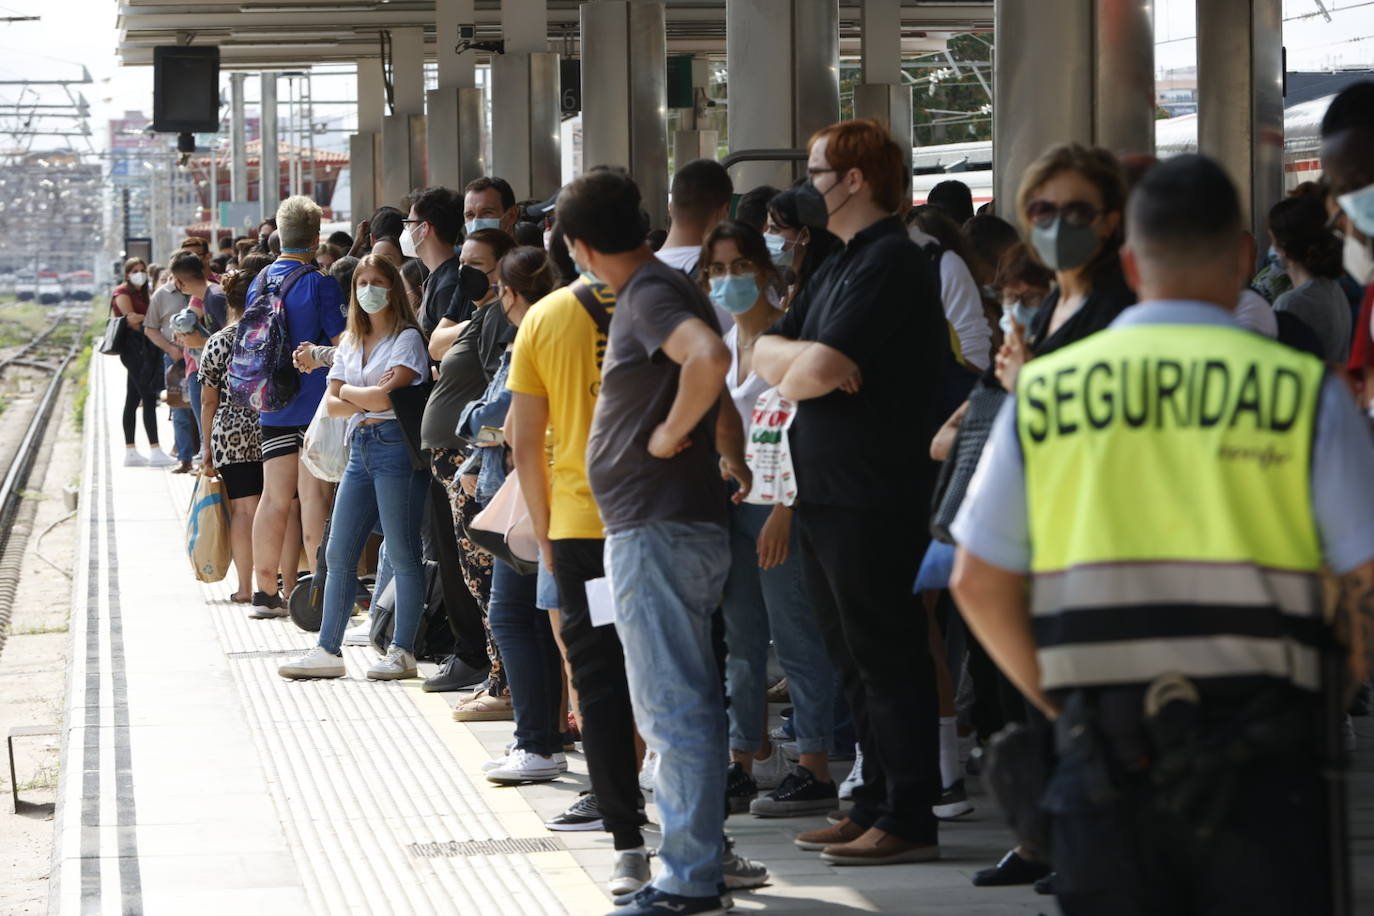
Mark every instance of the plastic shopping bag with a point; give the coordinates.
(325, 451)
(207, 530)
(767, 452)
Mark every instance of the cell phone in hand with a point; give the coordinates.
(491, 435)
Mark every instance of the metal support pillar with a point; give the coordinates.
(882, 94)
(365, 147)
(238, 155)
(525, 103)
(625, 95)
(1240, 99)
(783, 71)
(269, 162)
(455, 127)
(403, 131)
(1101, 77)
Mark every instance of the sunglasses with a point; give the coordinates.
(1074, 213)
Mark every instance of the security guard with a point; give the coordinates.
(1173, 486)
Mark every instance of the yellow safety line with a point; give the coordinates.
(575, 888)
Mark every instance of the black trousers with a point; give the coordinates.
(1128, 857)
(133, 399)
(597, 662)
(860, 566)
(464, 616)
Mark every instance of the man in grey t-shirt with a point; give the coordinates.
(167, 301)
(662, 417)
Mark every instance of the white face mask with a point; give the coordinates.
(138, 278)
(408, 243)
(1358, 260)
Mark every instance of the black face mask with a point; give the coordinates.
(811, 207)
(473, 285)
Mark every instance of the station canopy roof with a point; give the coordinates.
(286, 34)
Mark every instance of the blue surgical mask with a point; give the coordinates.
(473, 225)
(736, 295)
(777, 250)
(1018, 312)
(373, 298)
(587, 276)
(1359, 207)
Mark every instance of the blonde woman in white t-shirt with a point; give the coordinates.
(382, 349)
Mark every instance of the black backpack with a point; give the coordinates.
(433, 640)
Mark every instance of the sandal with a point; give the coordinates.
(483, 707)
(236, 598)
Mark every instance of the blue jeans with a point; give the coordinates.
(666, 582)
(379, 483)
(193, 396)
(533, 666)
(757, 601)
(183, 424)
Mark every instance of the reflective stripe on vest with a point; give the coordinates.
(1168, 491)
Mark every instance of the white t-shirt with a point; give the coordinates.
(685, 258)
(962, 304)
(745, 394)
(1254, 312)
(404, 349)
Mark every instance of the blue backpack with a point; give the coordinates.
(261, 374)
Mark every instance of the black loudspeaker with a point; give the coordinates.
(186, 89)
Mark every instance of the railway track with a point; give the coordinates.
(47, 355)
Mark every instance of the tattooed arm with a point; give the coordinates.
(1354, 621)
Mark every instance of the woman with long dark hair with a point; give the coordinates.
(143, 363)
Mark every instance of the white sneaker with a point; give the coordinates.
(157, 458)
(631, 871)
(133, 458)
(855, 777)
(396, 665)
(522, 766)
(769, 773)
(496, 762)
(361, 635)
(648, 773)
(318, 662)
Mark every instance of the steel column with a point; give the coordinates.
(1240, 98)
(269, 162)
(238, 155)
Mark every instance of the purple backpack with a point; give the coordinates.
(261, 374)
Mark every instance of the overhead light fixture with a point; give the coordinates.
(310, 8)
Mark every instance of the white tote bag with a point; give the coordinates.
(767, 452)
(325, 451)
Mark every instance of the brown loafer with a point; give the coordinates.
(878, 847)
(845, 831)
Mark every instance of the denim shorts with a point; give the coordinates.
(546, 594)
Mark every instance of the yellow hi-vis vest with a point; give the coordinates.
(1168, 472)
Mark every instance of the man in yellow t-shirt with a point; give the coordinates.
(555, 375)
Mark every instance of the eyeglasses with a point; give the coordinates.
(1074, 213)
(736, 268)
(412, 222)
(812, 173)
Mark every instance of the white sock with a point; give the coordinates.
(949, 752)
(640, 851)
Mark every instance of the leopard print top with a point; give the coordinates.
(236, 432)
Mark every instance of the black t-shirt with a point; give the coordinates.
(464, 374)
(441, 295)
(638, 385)
(876, 301)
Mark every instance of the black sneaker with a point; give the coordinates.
(740, 789)
(454, 674)
(266, 607)
(800, 794)
(582, 814)
(953, 803)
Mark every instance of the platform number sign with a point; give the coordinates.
(570, 87)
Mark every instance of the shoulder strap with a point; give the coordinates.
(595, 307)
(290, 279)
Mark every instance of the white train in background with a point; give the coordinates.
(972, 162)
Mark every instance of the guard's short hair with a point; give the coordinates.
(955, 198)
(298, 222)
(442, 208)
(867, 145)
(386, 223)
(489, 183)
(1185, 208)
(342, 239)
(186, 263)
(1353, 106)
(601, 209)
(700, 188)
